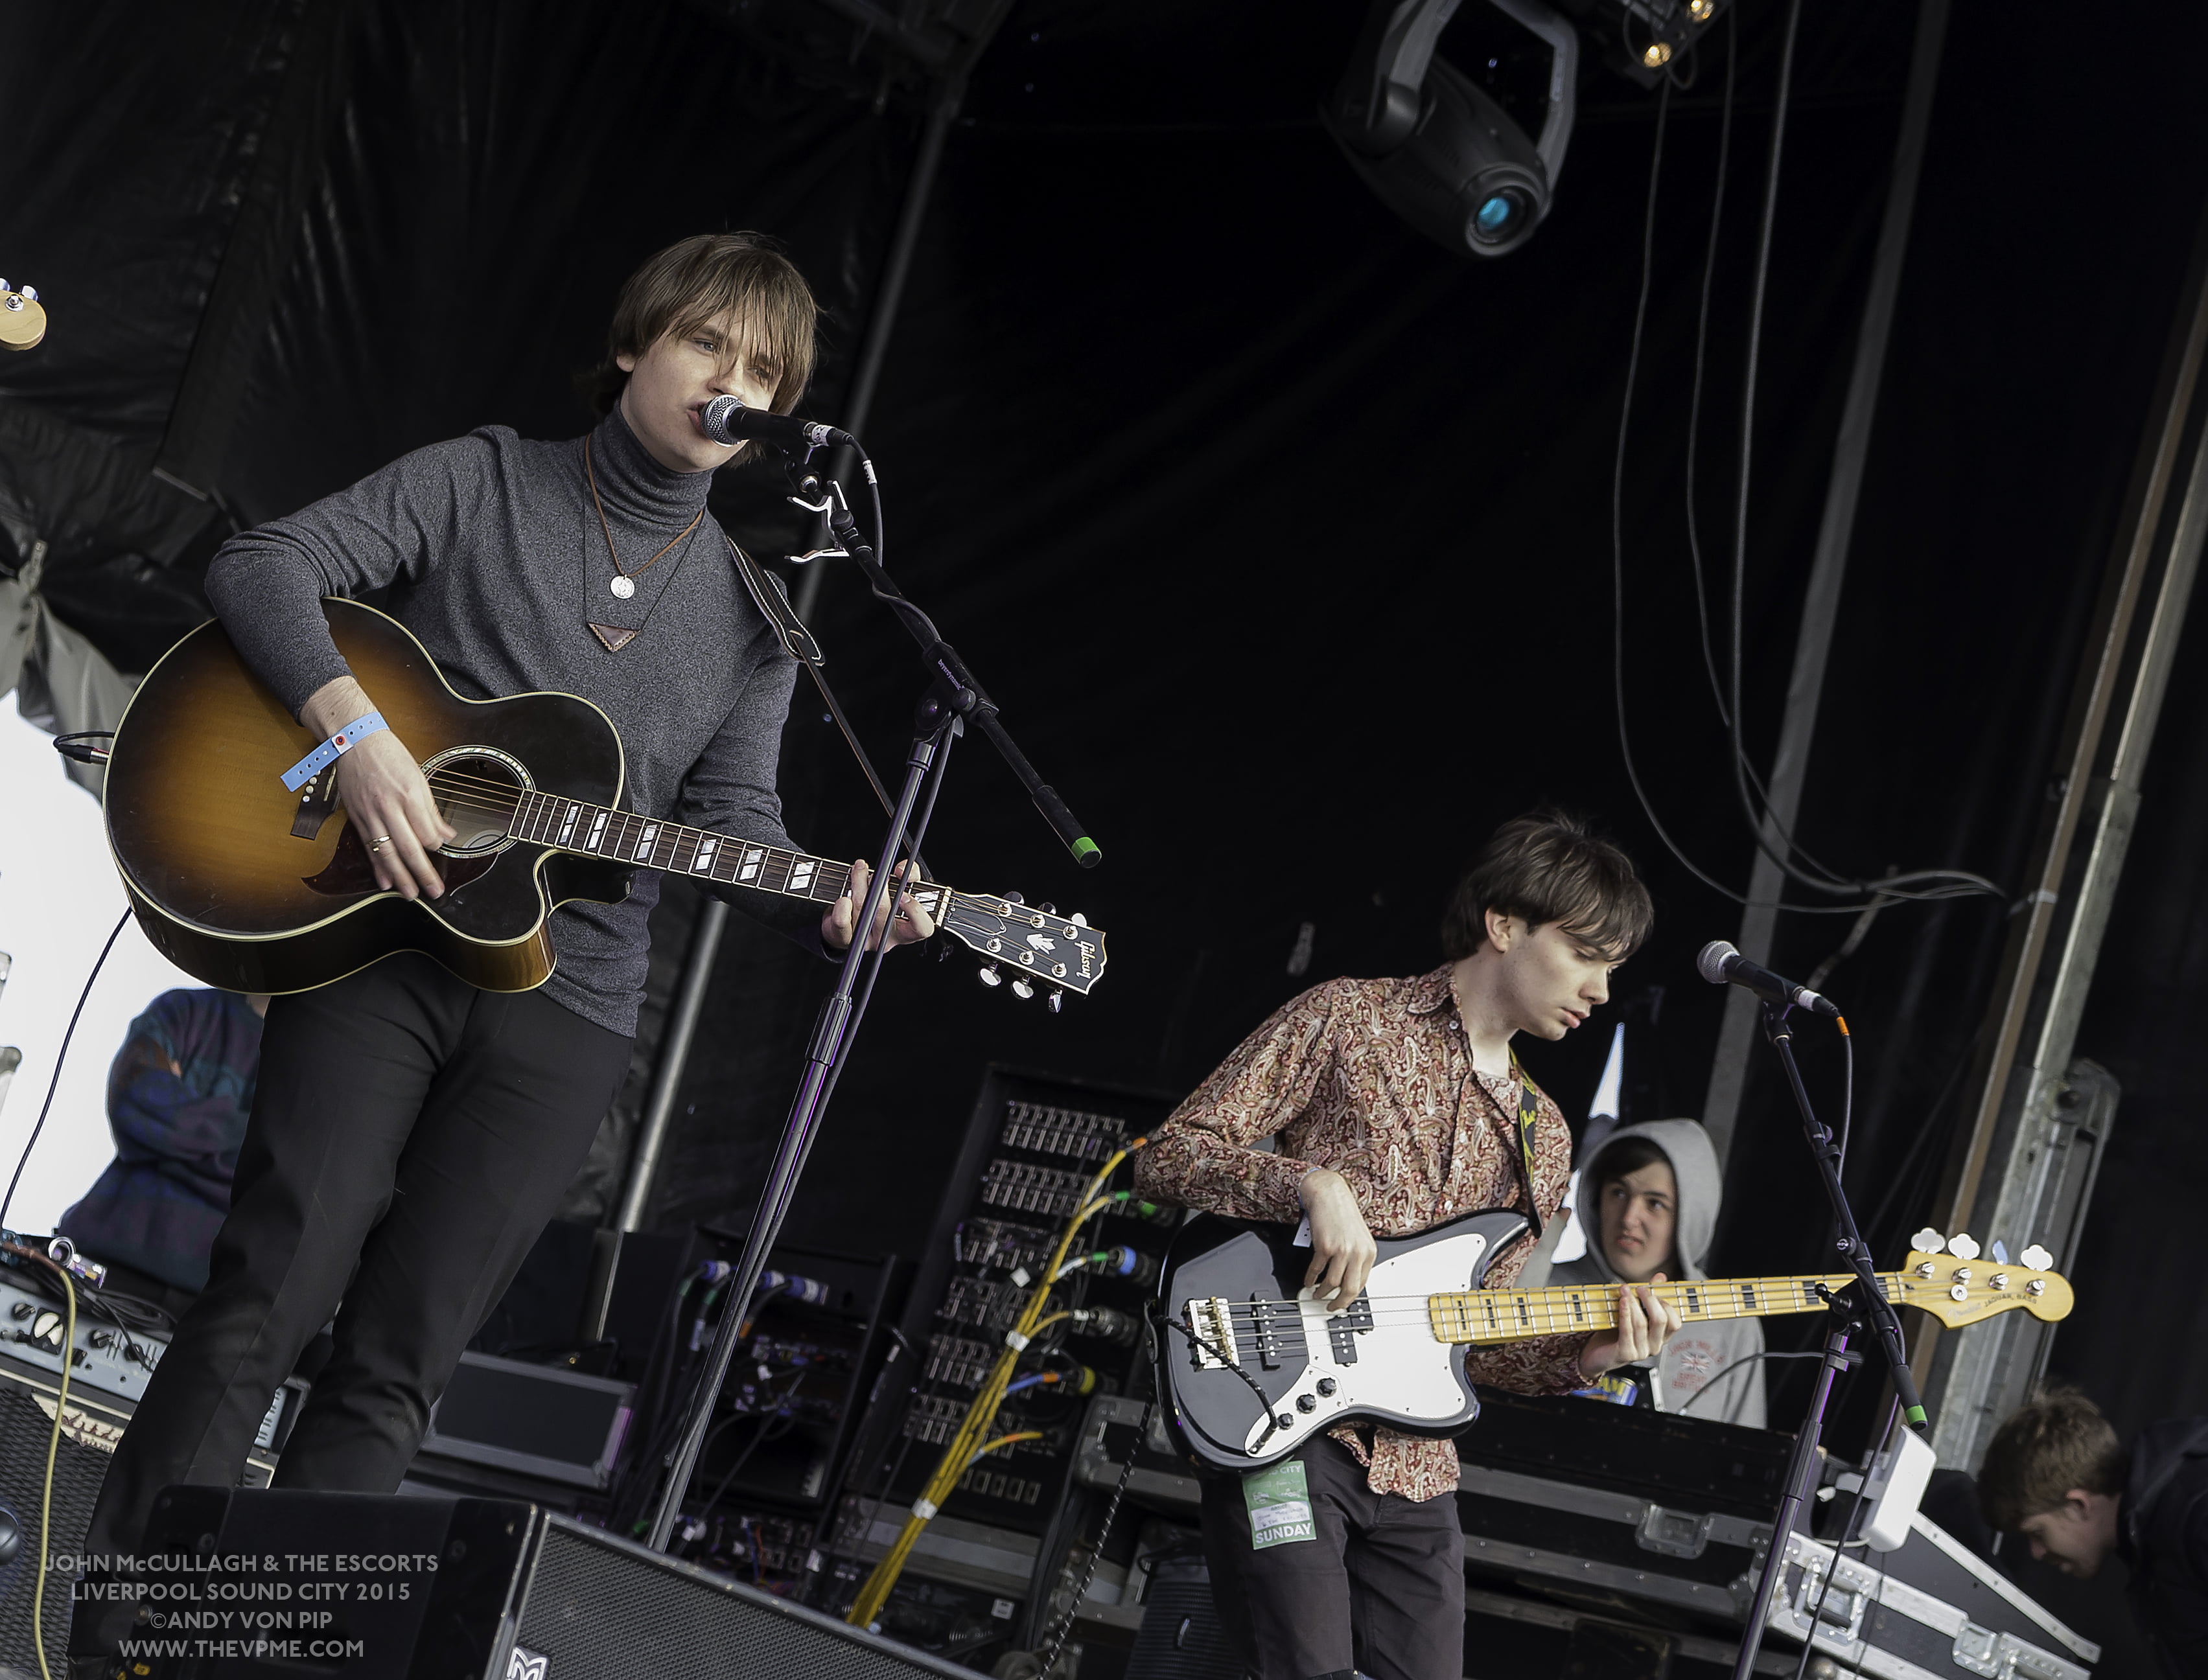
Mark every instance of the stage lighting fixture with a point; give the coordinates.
(1436, 147)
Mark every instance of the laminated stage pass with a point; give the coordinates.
(1279, 1500)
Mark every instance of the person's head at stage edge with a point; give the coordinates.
(1538, 921)
(1637, 1201)
(717, 314)
(2054, 1472)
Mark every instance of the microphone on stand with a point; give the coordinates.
(1721, 964)
(730, 420)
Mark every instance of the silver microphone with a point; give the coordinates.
(1721, 964)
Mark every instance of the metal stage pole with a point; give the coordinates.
(1820, 605)
(950, 93)
(1996, 1176)
(674, 1057)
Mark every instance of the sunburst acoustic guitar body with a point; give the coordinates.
(248, 886)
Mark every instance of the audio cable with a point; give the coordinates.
(972, 1439)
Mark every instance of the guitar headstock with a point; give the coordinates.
(23, 318)
(1041, 948)
(1959, 1287)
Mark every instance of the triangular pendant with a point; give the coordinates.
(616, 640)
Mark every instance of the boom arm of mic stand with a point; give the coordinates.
(941, 657)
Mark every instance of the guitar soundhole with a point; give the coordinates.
(478, 790)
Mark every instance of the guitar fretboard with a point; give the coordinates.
(649, 842)
(1513, 1315)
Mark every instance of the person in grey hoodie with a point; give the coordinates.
(1649, 1201)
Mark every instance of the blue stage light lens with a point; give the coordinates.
(1497, 213)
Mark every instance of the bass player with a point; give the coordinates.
(411, 1134)
(1397, 1105)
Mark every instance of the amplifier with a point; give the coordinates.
(502, 1591)
(109, 1368)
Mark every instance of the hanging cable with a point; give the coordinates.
(1826, 880)
(1963, 884)
(53, 1083)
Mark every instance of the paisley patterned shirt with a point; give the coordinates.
(1373, 1079)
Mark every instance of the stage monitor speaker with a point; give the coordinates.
(499, 1590)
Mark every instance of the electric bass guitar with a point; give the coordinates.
(246, 885)
(1251, 1369)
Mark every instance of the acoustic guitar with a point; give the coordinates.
(244, 884)
(1252, 1368)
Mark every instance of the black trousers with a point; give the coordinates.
(410, 1138)
(1379, 1591)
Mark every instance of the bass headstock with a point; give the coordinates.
(1032, 946)
(1957, 1285)
(23, 318)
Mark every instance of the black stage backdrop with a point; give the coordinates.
(1282, 537)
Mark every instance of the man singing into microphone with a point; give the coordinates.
(1397, 1105)
(410, 1135)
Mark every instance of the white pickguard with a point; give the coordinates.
(1401, 1365)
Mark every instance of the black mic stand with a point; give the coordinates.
(1861, 1303)
(953, 696)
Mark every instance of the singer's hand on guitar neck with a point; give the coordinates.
(384, 791)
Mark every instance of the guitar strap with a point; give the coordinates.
(774, 605)
(1529, 1111)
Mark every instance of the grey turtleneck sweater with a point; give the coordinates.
(495, 559)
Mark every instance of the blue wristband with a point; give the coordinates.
(354, 732)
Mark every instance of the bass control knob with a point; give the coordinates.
(1306, 1402)
(1326, 1385)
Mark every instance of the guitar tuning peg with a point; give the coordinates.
(1057, 999)
(1048, 908)
(30, 294)
(1078, 919)
(2000, 1251)
(2037, 1258)
(988, 976)
(1022, 986)
(1011, 897)
(1927, 1241)
(1963, 1245)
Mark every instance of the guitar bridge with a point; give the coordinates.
(1211, 1343)
(317, 799)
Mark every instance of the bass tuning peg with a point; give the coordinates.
(2037, 1258)
(1963, 1245)
(988, 976)
(1927, 1241)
